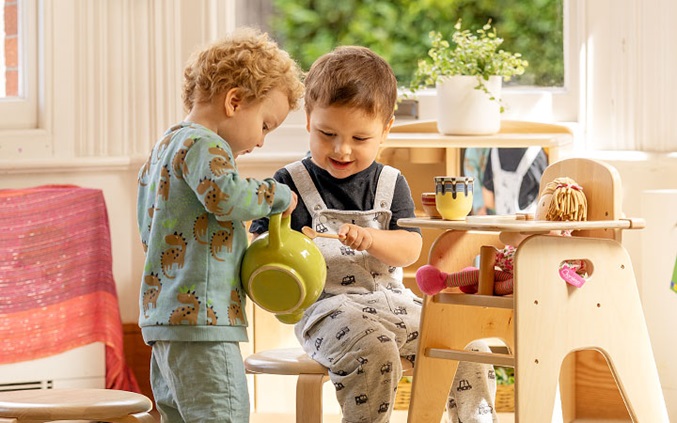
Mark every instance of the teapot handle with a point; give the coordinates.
(275, 227)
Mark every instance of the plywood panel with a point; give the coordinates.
(597, 395)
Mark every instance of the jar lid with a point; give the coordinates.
(454, 179)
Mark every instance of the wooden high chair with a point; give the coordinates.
(546, 319)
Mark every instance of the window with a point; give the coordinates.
(18, 64)
(109, 71)
(398, 30)
(6, 49)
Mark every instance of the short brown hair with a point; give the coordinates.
(352, 76)
(246, 59)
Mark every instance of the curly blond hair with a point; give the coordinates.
(248, 60)
(568, 202)
(352, 76)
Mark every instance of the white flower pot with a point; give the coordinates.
(464, 110)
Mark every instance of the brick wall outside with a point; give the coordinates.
(11, 48)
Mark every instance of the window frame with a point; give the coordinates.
(560, 104)
(22, 112)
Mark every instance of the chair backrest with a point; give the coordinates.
(602, 187)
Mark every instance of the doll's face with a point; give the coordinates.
(542, 206)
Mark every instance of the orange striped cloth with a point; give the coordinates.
(56, 282)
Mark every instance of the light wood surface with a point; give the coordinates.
(547, 320)
(553, 319)
(283, 361)
(48, 405)
(433, 376)
(423, 142)
(512, 224)
(486, 274)
(512, 134)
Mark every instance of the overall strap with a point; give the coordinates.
(527, 160)
(495, 162)
(522, 168)
(304, 184)
(385, 188)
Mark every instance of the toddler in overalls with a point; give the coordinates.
(365, 319)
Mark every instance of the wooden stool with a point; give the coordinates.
(46, 405)
(311, 376)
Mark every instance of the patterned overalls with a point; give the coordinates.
(365, 319)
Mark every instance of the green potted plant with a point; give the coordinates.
(468, 77)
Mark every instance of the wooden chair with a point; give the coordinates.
(311, 377)
(545, 319)
(47, 405)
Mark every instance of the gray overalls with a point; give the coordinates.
(365, 319)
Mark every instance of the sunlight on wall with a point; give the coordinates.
(3, 69)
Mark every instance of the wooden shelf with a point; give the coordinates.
(512, 224)
(424, 134)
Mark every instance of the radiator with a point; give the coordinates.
(659, 251)
(82, 367)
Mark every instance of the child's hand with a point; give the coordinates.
(355, 237)
(292, 205)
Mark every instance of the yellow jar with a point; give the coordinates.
(453, 196)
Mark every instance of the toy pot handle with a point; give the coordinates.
(276, 226)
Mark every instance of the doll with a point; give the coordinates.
(561, 200)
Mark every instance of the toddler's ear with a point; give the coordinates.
(232, 101)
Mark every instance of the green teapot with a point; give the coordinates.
(283, 271)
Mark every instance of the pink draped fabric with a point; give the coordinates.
(56, 282)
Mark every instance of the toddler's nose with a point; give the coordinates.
(341, 147)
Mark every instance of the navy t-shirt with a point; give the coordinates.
(356, 192)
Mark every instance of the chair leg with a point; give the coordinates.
(636, 374)
(309, 398)
(136, 418)
(567, 387)
(430, 389)
(554, 319)
(535, 381)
